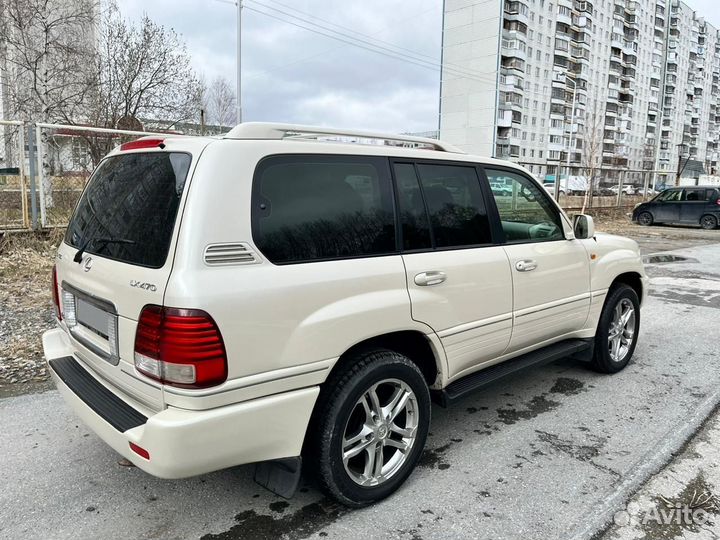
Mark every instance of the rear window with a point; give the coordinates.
(312, 208)
(128, 210)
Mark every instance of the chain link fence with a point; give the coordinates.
(14, 190)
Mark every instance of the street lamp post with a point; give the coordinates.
(681, 166)
(239, 58)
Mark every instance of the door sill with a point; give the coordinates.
(580, 349)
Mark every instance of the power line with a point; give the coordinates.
(379, 49)
(324, 52)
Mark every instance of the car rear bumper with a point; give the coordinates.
(181, 442)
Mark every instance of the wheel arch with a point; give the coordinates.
(418, 347)
(633, 280)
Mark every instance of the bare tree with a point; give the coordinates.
(47, 62)
(142, 77)
(591, 140)
(220, 102)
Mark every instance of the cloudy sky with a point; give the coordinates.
(293, 75)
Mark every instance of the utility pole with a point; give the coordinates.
(681, 166)
(239, 61)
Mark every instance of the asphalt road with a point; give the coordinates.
(552, 453)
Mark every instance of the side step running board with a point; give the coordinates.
(580, 349)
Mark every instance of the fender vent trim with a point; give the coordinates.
(230, 254)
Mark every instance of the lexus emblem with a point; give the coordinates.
(87, 265)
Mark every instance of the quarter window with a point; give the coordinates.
(525, 212)
(309, 208)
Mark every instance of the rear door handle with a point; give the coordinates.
(433, 277)
(526, 265)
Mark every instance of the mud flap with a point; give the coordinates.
(281, 476)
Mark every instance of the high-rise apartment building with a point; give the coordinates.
(620, 84)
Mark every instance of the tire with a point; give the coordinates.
(708, 222)
(606, 358)
(645, 219)
(346, 410)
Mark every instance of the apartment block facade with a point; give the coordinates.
(620, 84)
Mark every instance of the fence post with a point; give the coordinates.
(41, 176)
(33, 184)
(620, 187)
(23, 174)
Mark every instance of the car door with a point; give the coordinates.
(551, 272)
(694, 204)
(459, 281)
(667, 206)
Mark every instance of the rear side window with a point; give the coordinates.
(448, 198)
(128, 210)
(311, 208)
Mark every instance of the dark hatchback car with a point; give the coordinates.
(696, 205)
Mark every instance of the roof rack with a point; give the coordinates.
(263, 130)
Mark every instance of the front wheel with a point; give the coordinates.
(369, 427)
(645, 218)
(617, 330)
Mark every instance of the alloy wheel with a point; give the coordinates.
(380, 432)
(622, 330)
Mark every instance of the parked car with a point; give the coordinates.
(627, 189)
(697, 205)
(267, 296)
(550, 188)
(501, 188)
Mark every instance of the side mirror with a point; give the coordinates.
(583, 226)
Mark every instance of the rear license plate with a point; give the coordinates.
(93, 317)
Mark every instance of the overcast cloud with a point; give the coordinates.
(293, 75)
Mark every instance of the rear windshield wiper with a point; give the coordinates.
(100, 243)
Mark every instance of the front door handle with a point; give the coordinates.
(526, 265)
(434, 277)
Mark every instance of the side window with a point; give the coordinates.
(309, 208)
(526, 213)
(695, 194)
(670, 195)
(413, 217)
(455, 205)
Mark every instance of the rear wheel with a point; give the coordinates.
(645, 218)
(708, 222)
(617, 330)
(369, 427)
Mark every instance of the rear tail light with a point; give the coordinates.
(718, 201)
(56, 294)
(180, 347)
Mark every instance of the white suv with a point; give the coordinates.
(273, 294)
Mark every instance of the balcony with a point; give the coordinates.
(516, 11)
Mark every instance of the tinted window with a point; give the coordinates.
(669, 195)
(525, 211)
(455, 205)
(129, 208)
(413, 216)
(698, 194)
(308, 208)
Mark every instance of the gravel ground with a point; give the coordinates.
(25, 311)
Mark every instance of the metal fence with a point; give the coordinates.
(44, 168)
